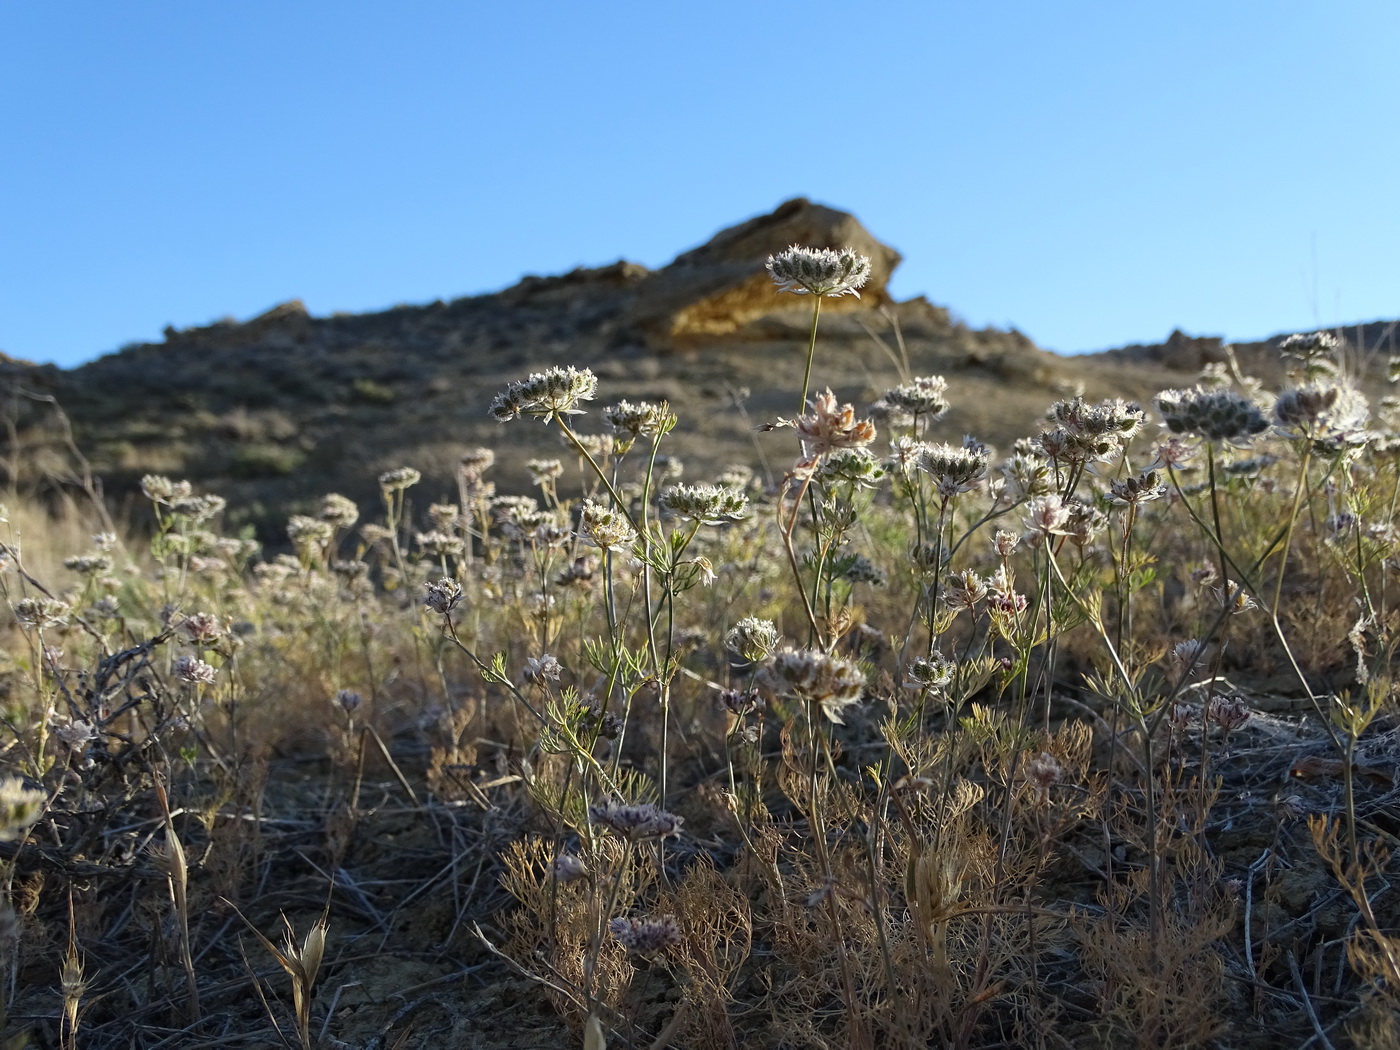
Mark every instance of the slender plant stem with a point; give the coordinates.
(811, 353)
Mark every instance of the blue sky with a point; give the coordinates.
(1093, 173)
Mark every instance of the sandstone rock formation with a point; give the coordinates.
(720, 288)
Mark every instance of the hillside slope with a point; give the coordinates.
(277, 410)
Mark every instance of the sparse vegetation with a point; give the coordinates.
(1085, 742)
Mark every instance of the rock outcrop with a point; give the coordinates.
(720, 289)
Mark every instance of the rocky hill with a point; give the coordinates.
(275, 411)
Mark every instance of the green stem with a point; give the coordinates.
(811, 353)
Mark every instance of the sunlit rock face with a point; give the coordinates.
(721, 288)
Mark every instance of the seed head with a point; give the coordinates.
(752, 639)
(1027, 475)
(437, 544)
(518, 515)
(20, 805)
(740, 702)
(1306, 346)
(42, 613)
(965, 590)
(443, 595)
(89, 564)
(955, 468)
(543, 471)
(1004, 543)
(707, 504)
(605, 527)
(1331, 415)
(195, 671)
(1173, 452)
(1186, 655)
(645, 419)
(1086, 521)
(1216, 415)
(831, 682)
(819, 271)
(1044, 771)
(76, 733)
(905, 455)
(853, 466)
(1133, 491)
(545, 395)
(338, 512)
(829, 426)
(309, 533)
(1228, 712)
(201, 628)
(640, 821)
(160, 489)
(935, 672)
(1115, 419)
(1047, 516)
(398, 479)
(646, 936)
(540, 669)
(599, 446)
(924, 396)
(1235, 599)
(198, 508)
(444, 516)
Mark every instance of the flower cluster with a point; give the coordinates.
(830, 682)
(853, 466)
(42, 613)
(933, 672)
(645, 419)
(828, 427)
(605, 527)
(338, 511)
(195, 671)
(752, 639)
(20, 806)
(399, 478)
(1332, 415)
(1216, 415)
(443, 595)
(645, 936)
(545, 395)
(819, 271)
(922, 398)
(707, 504)
(1135, 490)
(641, 820)
(955, 468)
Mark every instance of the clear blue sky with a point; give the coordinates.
(1093, 173)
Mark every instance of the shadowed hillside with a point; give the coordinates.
(274, 411)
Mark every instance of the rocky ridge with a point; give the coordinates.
(274, 411)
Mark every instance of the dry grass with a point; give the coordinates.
(538, 772)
